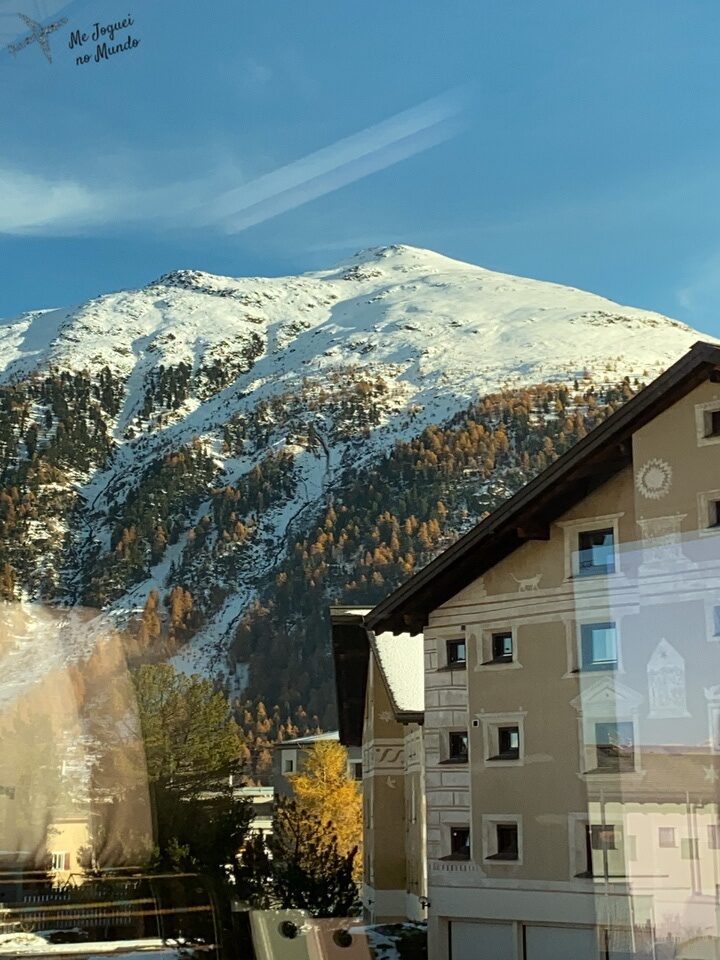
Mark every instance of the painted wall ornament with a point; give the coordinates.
(654, 479)
(526, 584)
(666, 683)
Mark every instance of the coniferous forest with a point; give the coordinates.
(172, 545)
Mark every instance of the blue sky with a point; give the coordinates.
(574, 142)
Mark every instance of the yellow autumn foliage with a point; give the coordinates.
(325, 790)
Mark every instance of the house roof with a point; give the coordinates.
(400, 659)
(310, 739)
(592, 461)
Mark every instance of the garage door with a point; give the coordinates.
(560, 943)
(482, 941)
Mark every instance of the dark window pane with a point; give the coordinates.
(509, 743)
(507, 841)
(502, 646)
(456, 651)
(596, 552)
(458, 746)
(714, 424)
(460, 842)
(714, 513)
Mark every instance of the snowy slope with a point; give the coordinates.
(279, 352)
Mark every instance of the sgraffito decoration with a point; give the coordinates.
(654, 479)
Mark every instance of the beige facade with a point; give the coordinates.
(571, 750)
(393, 813)
(384, 682)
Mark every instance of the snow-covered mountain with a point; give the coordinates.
(434, 322)
(189, 434)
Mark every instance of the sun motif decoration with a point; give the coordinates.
(654, 478)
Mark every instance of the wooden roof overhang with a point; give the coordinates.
(351, 656)
(527, 516)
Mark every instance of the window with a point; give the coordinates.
(60, 861)
(596, 552)
(356, 769)
(707, 423)
(714, 836)
(502, 647)
(615, 747)
(689, 848)
(503, 739)
(508, 743)
(506, 842)
(460, 843)
(711, 423)
(288, 761)
(456, 655)
(713, 509)
(716, 621)
(599, 646)
(458, 747)
(666, 837)
(602, 837)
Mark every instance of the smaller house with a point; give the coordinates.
(380, 694)
(261, 801)
(289, 757)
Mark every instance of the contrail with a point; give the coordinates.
(334, 166)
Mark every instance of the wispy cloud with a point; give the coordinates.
(30, 203)
(343, 162)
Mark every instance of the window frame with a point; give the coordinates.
(62, 857)
(592, 569)
(490, 824)
(571, 530)
(662, 843)
(486, 661)
(492, 724)
(596, 666)
(703, 420)
(708, 509)
(600, 767)
(455, 664)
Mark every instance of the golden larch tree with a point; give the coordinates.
(324, 789)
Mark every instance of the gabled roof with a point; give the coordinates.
(399, 658)
(526, 516)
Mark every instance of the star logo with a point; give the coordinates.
(711, 774)
(386, 716)
(38, 33)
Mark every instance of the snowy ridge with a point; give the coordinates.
(395, 306)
